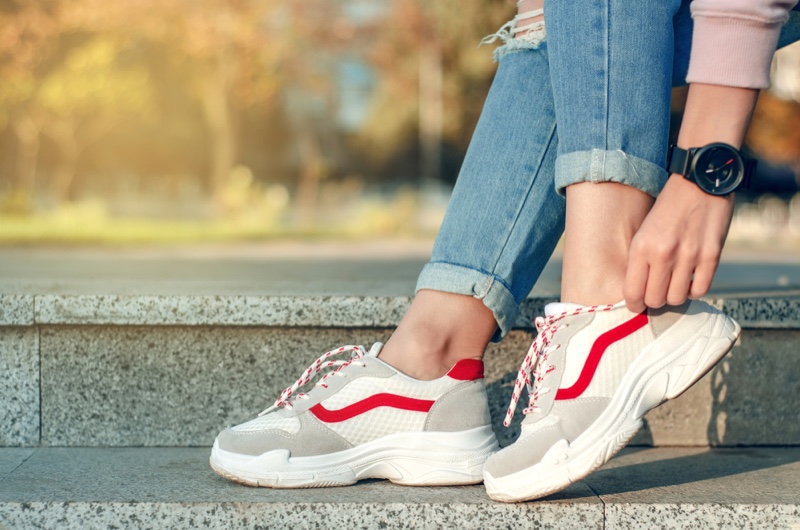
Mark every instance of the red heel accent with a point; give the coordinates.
(467, 370)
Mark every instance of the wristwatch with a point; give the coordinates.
(718, 169)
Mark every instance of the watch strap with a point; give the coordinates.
(678, 160)
(749, 170)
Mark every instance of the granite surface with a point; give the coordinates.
(112, 385)
(197, 310)
(158, 488)
(167, 487)
(695, 488)
(361, 514)
(177, 386)
(770, 312)
(172, 386)
(325, 311)
(19, 386)
(16, 309)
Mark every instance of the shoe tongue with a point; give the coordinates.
(557, 308)
(375, 350)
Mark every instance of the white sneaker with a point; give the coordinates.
(364, 419)
(598, 370)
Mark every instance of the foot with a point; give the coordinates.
(598, 370)
(364, 419)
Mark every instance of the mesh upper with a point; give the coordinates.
(383, 421)
(268, 422)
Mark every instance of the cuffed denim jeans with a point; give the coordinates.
(589, 103)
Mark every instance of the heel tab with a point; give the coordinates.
(466, 370)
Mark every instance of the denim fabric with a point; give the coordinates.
(504, 217)
(611, 69)
(605, 70)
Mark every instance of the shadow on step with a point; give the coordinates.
(636, 470)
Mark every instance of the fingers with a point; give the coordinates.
(659, 275)
(679, 285)
(658, 283)
(664, 283)
(674, 254)
(635, 284)
(703, 274)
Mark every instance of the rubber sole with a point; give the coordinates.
(412, 459)
(667, 368)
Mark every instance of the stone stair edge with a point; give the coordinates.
(758, 312)
(663, 487)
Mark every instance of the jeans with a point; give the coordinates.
(589, 103)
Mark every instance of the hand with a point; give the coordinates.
(675, 253)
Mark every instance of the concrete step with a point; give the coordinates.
(111, 351)
(139, 382)
(143, 488)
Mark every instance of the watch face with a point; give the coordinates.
(718, 169)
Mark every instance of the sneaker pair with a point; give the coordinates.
(592, 373)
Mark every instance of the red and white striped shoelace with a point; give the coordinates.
(286, 397)
(535, 367)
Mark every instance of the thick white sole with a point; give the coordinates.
(413, 459)
(664, 370)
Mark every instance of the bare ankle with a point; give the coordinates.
(439, 330)
(601, 221)
(416, 356)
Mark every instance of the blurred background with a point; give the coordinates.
(169, 121)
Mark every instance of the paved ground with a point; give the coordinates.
(671, 488)
(359, 269)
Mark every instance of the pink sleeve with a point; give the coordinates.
(734, 40)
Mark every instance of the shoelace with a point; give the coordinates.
(285, 399)
(535, 367)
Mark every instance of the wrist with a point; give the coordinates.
(716, 114)
(690, 190)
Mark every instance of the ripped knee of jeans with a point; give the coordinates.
(518, 33)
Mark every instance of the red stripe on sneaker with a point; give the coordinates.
(466, 370)
(596, 353)
(365, 405)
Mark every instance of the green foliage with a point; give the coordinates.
(90, 81)
(92, 90)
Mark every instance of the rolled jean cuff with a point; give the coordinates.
(599, 165)
(461, 279)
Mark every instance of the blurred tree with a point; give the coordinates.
(775, 130)
(320, 34)
(774, 133)
(223, 48)
(27, 42)
(436, 91)
(71, 71)
(83, 99)
(67, 86)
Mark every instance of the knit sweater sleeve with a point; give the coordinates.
(733, 41)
